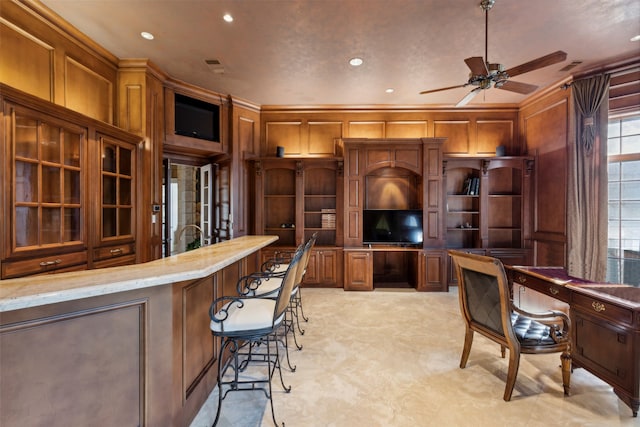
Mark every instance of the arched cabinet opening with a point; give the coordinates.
(393, 213)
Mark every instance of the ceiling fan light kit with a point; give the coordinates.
(485, 75)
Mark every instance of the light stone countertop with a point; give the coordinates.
(39, 290)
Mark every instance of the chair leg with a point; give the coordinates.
(276, 365)
(565, 360)
(223, 344)
(290, 325)
(285, 343)
(299, 298)
(468, 340)
(296, 309)
(514, 364)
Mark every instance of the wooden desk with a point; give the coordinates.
(605, 321)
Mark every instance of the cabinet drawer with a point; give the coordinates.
(602, 309)
(555, 291)
(115, 261)
(108, 252)
(42, 265)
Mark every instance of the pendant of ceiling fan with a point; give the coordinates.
(485, 75)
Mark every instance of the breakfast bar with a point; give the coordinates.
(126, 345)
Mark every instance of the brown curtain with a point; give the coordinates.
(587, 193)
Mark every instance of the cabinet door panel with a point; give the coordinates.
(328, 266)
(358, 271)
(118, 189)
(605, 348)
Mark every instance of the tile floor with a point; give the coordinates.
(391, 358)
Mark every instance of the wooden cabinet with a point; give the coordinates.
(58, 194)
(45, 198)
(358, 270)
(487, 207)
(324, 268)
(431, 271)
(194, 121)
(117, 202)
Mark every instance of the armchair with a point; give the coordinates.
(487, 308)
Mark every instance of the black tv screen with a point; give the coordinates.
(197, 119)
(392, 226)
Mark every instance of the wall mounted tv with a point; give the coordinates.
(197, 119)
(392, 226)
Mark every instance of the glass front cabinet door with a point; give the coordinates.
(70, 189)
(45, 202)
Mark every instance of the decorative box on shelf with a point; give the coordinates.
(328, 218)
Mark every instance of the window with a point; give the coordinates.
(623, 263)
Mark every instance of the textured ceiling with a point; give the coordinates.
(296, 52)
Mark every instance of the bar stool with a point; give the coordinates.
(279, 264)
(251, 321)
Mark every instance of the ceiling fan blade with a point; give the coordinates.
(441, 89)
(468, 97)
(477, 66)
(519, 87)
(543, 61)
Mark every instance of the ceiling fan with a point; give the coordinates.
(485, 75)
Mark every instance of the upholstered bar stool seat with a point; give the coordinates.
(245, 317)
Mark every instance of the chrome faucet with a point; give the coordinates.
(202, 237)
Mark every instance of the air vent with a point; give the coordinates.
(215, 65)
(571, 65)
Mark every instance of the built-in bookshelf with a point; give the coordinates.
(487, 207)
(463, 204)
(297, 198)
(280, 202)
(485, 200)
(320, 204)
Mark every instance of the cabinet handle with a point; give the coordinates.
(553, 291)
(115, 251)
(598, 306)
(48, 263)
(522, 279)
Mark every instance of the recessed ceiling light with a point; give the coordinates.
(356, 62)
(635, 38)
(227, 17)
(389, 90)
(146, 35)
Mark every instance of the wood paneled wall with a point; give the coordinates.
(63, 67)
(317, 133)
(245, 143)
(546, 130)
(140, 107)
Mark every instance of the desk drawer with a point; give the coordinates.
(602, 309)
(554, 291)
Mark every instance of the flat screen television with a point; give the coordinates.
(197, 119)
(392, 226)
